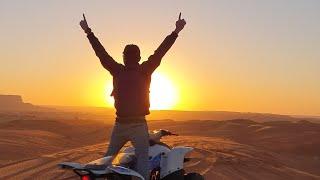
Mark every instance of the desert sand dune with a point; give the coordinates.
(215, 158)
(233, 149)
(21, 139)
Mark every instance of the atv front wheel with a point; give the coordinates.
(193, 176)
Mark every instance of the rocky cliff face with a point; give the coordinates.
(14, 102)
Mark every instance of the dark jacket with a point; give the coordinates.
(131, 84)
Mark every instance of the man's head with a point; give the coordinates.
(131, 54)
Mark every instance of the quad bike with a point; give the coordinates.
(165, 163)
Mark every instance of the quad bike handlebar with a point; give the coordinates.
(156, 135)
(167, 133)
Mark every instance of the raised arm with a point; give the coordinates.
(106, 60)
(154, 60)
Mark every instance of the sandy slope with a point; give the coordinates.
(215, 158)
(234, 149)
(20, 139)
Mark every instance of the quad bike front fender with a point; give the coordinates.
(173, 160)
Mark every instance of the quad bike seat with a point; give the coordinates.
(125, 159)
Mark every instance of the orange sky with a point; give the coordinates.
(232, 55)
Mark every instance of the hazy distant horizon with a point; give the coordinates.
(173, 110)
(186, 110)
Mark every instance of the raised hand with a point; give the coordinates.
(84, 24)
(180, 23)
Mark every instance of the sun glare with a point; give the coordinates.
(163, 94)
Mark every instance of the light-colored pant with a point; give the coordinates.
(138, 134)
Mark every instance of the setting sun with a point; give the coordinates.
(163, 94)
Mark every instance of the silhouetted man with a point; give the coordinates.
(131, 83)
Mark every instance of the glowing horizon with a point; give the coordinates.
(260, 56)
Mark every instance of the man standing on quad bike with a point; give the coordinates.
(131, 83)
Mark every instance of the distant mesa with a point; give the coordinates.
(15, 103)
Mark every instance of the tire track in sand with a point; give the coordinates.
(38, 166)
(203, 164)
(23, 171)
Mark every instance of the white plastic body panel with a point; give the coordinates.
(125, 171)
(102, 161)
(173, 160)
(157, 149)
(153, 150)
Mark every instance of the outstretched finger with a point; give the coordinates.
(179, 15)
(84, 17)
